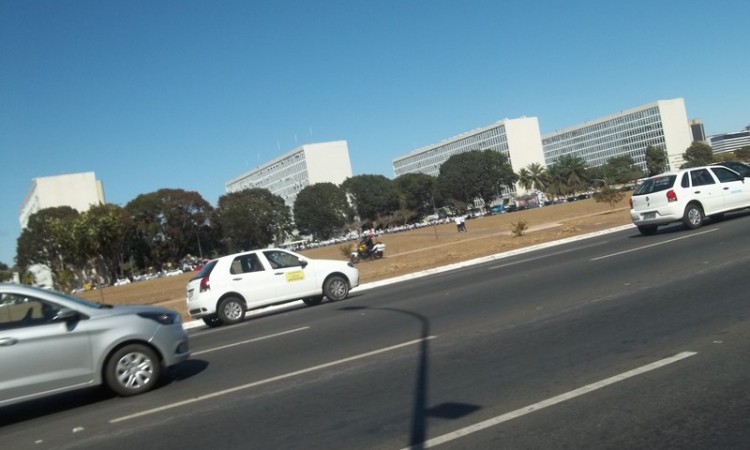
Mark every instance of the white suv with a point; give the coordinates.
(227, 287)
(689, 196)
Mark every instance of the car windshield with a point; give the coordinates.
(655, 184)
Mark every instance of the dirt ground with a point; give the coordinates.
(418, 249)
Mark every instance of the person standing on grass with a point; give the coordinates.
(462, 224)
(458, 223)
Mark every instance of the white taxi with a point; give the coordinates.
(689, 196)
(227, 287)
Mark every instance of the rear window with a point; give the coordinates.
(655, 184)
(206, 270)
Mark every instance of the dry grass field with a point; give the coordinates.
(418, 249)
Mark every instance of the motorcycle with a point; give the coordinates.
(360, 252)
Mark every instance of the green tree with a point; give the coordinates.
(698, 154)
(475, 175)
(252, 218)
(321, 210)
(47, 239)
(100, 236)
(656, 160)
(373, 196)
(167, 225)
(416, 193)
(743, 153)
(573, 171)
(533, 176)
(609, 195)
(557, 184)
(622, 169)
(5, 273)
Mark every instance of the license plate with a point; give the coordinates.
(649, 216)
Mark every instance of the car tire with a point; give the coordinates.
(336, 288)
(231, 310)
(693, 217)
(212, 321)
(647, 230)
(132, 369)
(312, 301)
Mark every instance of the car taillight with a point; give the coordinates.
(671, 196)
(205, 285)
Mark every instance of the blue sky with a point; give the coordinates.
(189, 94)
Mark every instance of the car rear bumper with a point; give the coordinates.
(655, 217)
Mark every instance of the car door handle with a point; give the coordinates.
(7, 342)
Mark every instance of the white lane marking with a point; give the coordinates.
(550, 401)
(546, 255)
(268, 380)
(655, 244)
(262, 338)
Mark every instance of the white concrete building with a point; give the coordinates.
(729, 142)
(518, 139)
(663, 124)
(306, 165)
(80, 191)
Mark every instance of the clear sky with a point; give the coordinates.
(188, 94)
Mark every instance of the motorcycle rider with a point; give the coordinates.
(368, 242)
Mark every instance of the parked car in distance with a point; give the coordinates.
(52, 342)
(227, 287)
(688, 195)
(739, 167)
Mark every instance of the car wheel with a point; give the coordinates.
(132, 370)
(212, 321)
(336, 288)
(312, 301)
(693, 217)
(231, 310)
(647, 230)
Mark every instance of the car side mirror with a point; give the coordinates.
(302, 262)
(66, 315)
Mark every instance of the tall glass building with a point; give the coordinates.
(518, 139)
(728, 142)
(663, 124)
(306, 165)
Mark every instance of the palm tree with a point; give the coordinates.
(574, 170)
(524, 178)
(538, 176)
(556, 183)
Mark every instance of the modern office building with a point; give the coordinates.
(80, 191)
(518, 139)
(303, 166)
(729, 142)
(699, 133)
(663, 124)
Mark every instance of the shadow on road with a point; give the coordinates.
(421, 412)
(68, 401)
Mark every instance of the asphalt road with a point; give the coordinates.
(618, 341)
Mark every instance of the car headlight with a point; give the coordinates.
(164, 318)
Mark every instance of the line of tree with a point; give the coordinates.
(159, 230)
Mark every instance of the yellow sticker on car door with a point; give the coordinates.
(295, 275)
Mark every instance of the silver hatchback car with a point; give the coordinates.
(52, 342)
